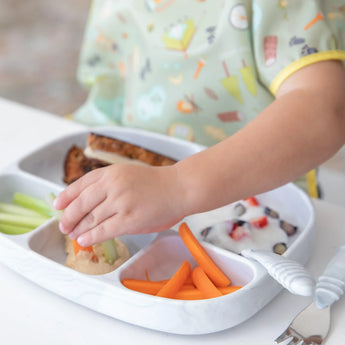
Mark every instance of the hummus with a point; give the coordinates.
(85, 262)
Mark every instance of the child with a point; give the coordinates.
(261, 83)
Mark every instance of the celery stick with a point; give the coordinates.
(16, 209)
(55, 213)
(110, 251)
(32, 203)
(14, 229)
(15, 219)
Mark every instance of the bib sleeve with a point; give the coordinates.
(291, 34)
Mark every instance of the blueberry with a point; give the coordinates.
(239, 209)
(206, 231)
(288, 228)
(271, 213)
(279, 248)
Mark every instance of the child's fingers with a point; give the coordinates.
(96, 216)
(109, 228)
(74, 189)
(80, 207)
(121, 223)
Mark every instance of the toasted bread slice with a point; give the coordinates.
(77, 164)
(79, 161)
(101, 143)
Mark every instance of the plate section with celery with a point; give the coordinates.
(25, 213)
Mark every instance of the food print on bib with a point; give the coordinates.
(199, 69)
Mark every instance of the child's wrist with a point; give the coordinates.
(186, 182)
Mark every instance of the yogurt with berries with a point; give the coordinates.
(250, 225)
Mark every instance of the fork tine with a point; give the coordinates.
(296, 341)
(285, 335)
(302, 343)
(289, 333)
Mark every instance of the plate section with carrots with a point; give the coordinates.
(205, 280)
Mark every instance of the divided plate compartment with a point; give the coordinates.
(39, 255)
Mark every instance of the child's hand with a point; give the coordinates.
(120, 199)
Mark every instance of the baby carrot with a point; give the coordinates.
(229, 289)
(195, 294)
(216, 275)
(144, 286)
(148, 286)
(175, 283)
(204, 284)
(77, 247)
(189, 281)
(187, 286)
(189, 294)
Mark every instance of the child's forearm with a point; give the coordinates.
(294, 134)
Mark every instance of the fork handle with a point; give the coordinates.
(289, 273)
(331, 284)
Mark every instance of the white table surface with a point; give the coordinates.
(31, 315)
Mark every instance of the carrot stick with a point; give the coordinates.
(204, 284)
(148, 286)
(229, 289)
(216, 275)
(189, 281)
(170, 289)
(195, 294)
(189, 294)
(77, 248)
(187, 291)
(144, 286)
(187, 286)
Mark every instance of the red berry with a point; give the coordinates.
(259, 222)
(238, 233)
(252, 201)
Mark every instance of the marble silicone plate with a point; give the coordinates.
(39, 255)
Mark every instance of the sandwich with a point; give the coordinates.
(101, 151)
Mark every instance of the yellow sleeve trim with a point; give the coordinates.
(302, 62)
(312, 184)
